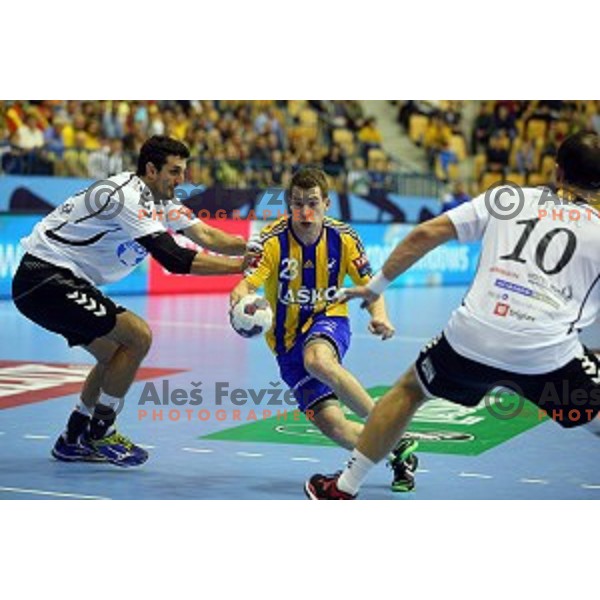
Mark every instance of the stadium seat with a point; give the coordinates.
(490, 179)
(536, 129)
(517, 178)
(416, 127)
(536, 179)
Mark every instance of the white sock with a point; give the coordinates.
(355, 473)
(594, 425)
(83, 409)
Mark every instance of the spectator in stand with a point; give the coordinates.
(525, 158)
(437, 136)
(482, 128)
(76, 157)
(53, 137)
(112, 125)
(504, 120)
(446, 157)
(369, 134)
(70, 131)
(452, 116)
(107, 161)
(497, 155)
(29, 135)
(334, 162)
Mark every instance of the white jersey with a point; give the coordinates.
(93, 232)
(536, 285)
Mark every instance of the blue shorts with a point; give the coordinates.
(308, 390)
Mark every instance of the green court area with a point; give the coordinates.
(440, 426)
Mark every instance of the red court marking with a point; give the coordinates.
(26, 382)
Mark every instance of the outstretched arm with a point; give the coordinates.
(183, 261)
(419, 242)
(215, 240)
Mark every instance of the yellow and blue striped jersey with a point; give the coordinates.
(300, 281)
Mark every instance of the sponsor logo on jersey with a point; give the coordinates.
(362, 265)
(307, 296)
(565, 293)
(525, 291)
(504, 272)
(131, 253)
(505, 310)
(501, 309)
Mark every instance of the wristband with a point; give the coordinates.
(378, 284)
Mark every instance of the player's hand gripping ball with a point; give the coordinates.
(251, 316)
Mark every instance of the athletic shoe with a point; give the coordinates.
(119, 450)
(324, 487)
(79, 451)
(404, 465)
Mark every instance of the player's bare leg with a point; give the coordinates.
(91, 432)
(383, 430)
(390, 417)
(134, 338)
(330, 419)
(321, 361)
(102, 350)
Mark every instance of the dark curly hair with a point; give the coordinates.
(579, 158)
(157, 149)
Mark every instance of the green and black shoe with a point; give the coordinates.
(404, 465)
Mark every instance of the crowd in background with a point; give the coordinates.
(233, 143)
(510, 139)
(257, 144)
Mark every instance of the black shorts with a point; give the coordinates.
(60, 302)
(570, 395)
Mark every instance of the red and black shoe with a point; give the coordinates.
(324, 487)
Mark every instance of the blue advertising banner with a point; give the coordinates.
(452, 263)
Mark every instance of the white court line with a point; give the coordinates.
(250, 454)
(223, 326)
(541, 481)
(198, 450)
(589, 486)
(31, 436)
(48, 493)
(422, 470)
(475, 475)
(305, 459)
(146, 446)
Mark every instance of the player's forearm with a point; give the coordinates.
(419, 242)
(203, 264)
(218, 241)
(377, 309)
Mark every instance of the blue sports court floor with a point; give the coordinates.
(192, 335)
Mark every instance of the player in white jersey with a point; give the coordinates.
(536, 286)
(99, 236)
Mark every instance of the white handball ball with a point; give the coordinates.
(251, 316)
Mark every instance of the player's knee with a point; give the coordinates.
(143, 338)
(133, 333)
(319, 364)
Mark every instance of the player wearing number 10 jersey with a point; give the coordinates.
(536, 286)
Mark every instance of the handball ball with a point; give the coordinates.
(251, 316)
